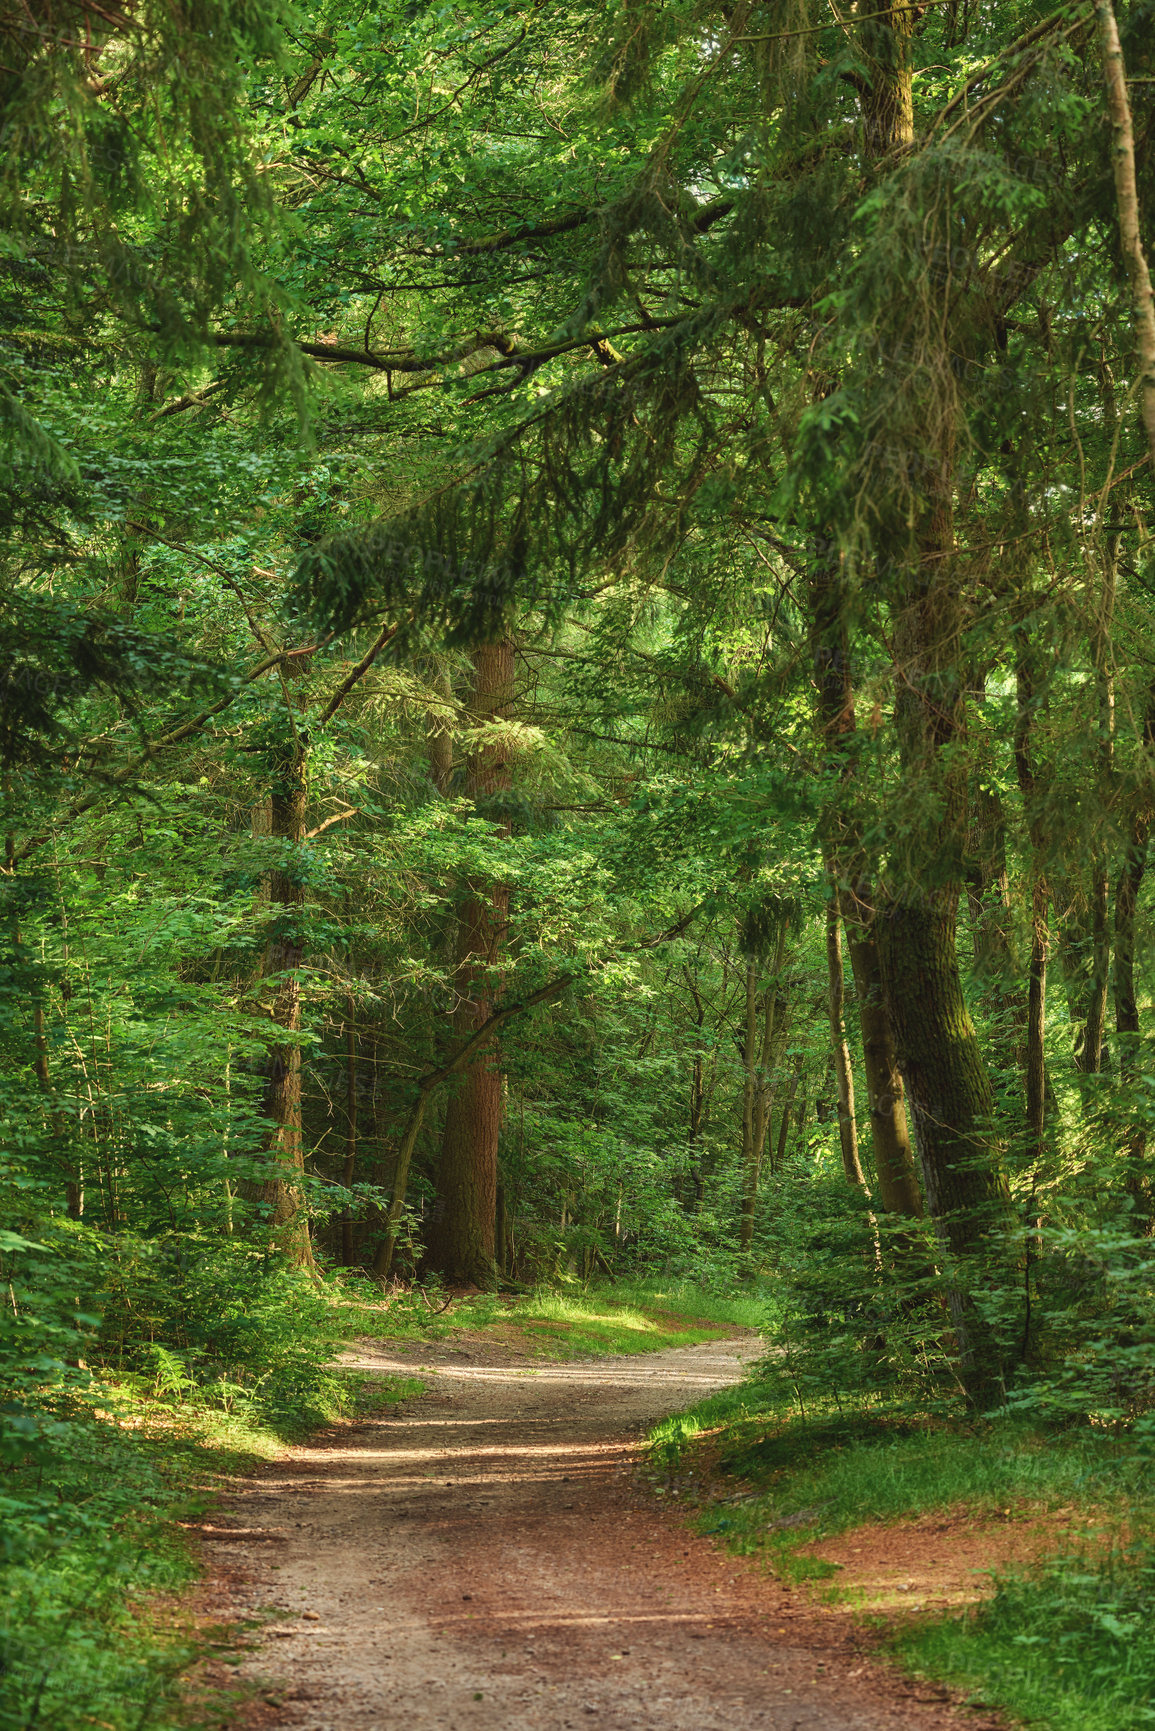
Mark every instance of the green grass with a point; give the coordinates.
(576, 1322)
(1069, 1645)
(561, 1326)
(753, 1308)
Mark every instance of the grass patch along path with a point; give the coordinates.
(1011, 1563)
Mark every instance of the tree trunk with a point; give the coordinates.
(894, 1167)
(347, 1253)
(844, 854)
(1090, 1057)
(784, 1123)
(887, 91)
(281, 1189)
(1127, 199)
(1036, 1020)
(1127, 889)
(1028, 779)
(946, 1078)
(992, 922)
(761, 1056)
(844, 1075)
(952, 1106)
(461, 1239)
(1095, 1021)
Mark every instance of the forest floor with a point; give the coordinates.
(487, 1557)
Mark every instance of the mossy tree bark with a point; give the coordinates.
(894, 1164)
(946, 1078)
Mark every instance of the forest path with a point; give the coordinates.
(484, 1559)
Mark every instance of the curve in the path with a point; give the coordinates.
(486, 1560)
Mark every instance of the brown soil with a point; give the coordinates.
(489, 1560)
(942, 1561)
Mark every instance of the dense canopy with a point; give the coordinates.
(579, 677)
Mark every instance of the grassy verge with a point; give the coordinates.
(559, 1324)
(1068, 1643)
(98, 1487)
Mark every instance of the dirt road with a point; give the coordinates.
(485, 1559)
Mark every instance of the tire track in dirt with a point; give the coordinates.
(485, 1559)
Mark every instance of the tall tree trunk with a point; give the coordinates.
(461, 1238)
(347, 1253)
(761, 1056)
(946, 1078)
(844, 1075)
(1130, 882)
(1127, 200)
(1095, 1021)
(1128, 886)
(1036, 1019)
(1027, 774)
(1142, 297)
(281, 1189)
(844, 855)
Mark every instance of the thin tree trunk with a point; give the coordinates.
(787, 1108)
(1036, 1020)
(1095, 1020)
(1127, 890)
(1028, 779)
(461, 1240)
(347, 1253)
(749, 1161)
(281, 1189)
(1090, 1058)
(1127, 199)
(844, 1075)
(761, 1056)
(992, 921)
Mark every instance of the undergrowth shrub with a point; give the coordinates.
(129, 1370)
(225, 1324)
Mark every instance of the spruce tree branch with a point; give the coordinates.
(190, 400)
(1027, 40)
(529, 231)
(85, 802)
(387, 634)
(384, 360)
